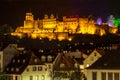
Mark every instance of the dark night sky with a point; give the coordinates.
(12, 12)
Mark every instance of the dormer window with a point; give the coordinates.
(18, 61)
(49, 58)
(7, 69)
(49, 66)
(43, 58)
(23, 60)
(13, 60)
(34, 68)
(17, 69)
(40, 68)
(12, 69)
(35, 60)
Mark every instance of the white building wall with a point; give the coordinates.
(36, 74)
(94, 56)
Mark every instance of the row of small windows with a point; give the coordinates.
(62, 65)
(35, 69)
(12, 69)
(39, 68)
(18, 61)
(42, 77)
(49, 58)
(106, 75)
(43, 58)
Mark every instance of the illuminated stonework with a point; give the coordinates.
(51, 28)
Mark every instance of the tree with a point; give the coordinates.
(5, 29)
(77, 74)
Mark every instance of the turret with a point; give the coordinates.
(29, 20)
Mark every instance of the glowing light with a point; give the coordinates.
(99, 21)
(117, 22)
(111, 20)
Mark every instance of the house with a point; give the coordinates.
(93, 57)
(28, 65)
(105, 68)
(6, 55)
(69, 66)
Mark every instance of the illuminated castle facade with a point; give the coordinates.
(51, 28)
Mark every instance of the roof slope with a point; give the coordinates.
(111, 60)
(18, 63)
(21, 60)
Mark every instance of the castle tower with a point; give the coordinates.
(29, 20)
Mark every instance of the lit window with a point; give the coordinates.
(7, 69)
(23, 60)
(41, 50)
(62, 65)
(40, 68)
(35, 60)
(110, 76)
(13, 61)
(27, 69)
(43, 58)
(43, 77)
(95, 54)
(34, 69)
(49, 58)
(37, 77)
(12, 69)
(31, 78)
(116, 76)
(94, 75)
(49, 66)
(103, 75)
(18, 61)
(87, 65)
(17, 69)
